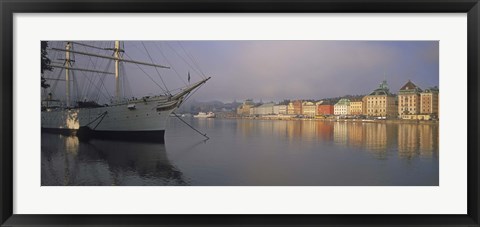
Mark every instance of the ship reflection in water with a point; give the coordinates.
(68, 161)
(245, 152)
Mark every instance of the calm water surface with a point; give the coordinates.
(244, 152)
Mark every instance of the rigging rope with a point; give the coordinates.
(75, 84)
(86, 45)
(128, 91)
(171, 65)
(192, 59)
(101, 79)
(102, 84)
(146, 74)
(87, 87)
(183, 59)
(54, 86)
(99, 89)
(151, 59)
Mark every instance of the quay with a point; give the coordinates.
(292, 118)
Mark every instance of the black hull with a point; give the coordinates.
(61, 131)
(85, 133)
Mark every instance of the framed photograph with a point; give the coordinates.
(257, 113)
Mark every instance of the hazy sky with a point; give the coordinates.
(270, 70)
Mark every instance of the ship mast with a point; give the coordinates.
(116, 57)
(67, 72)
(117, 74)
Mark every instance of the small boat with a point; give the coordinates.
(205, 115)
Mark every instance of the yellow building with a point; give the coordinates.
(429, 101)
(356, 107)
(409, 100)
(290, 108)
(364, 105)
(381, 103)
(244, 109)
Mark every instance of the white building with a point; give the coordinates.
(342, 107)
(308, 109)
(280, 109)
(253, 110)
(264, 109)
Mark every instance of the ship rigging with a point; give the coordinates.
(143, 117)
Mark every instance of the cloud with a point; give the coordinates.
(274, 70)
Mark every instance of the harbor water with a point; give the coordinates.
(251, 152)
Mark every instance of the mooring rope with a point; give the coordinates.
(203, 134)
(100, 116)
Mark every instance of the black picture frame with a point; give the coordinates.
(9, 7)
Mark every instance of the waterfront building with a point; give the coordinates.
(297, 107)
(381, 103)
(409, 100)
(276, 109)
(244, 108)
(325, 109)
(264, 109)
(364, 105)
(356, 107)
(429, 101)
(342, 107)
(308, 109)
(290, 108)
(280, 109)
(253, 111)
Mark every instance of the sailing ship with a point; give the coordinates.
(142, 118)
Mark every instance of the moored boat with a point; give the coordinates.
(137, 117)
(205, 115)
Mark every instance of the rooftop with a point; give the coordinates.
(432, 90)
(409, 87)
(382, 89)
(343, 102)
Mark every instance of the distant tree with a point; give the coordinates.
(284, 102)
(45, 63)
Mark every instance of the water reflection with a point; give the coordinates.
(381, 139)
(417, 140)
(377, 140)
(68, 161)
(408, 140)
(324, 131)
(244, 152)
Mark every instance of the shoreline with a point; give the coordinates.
(390, 121)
